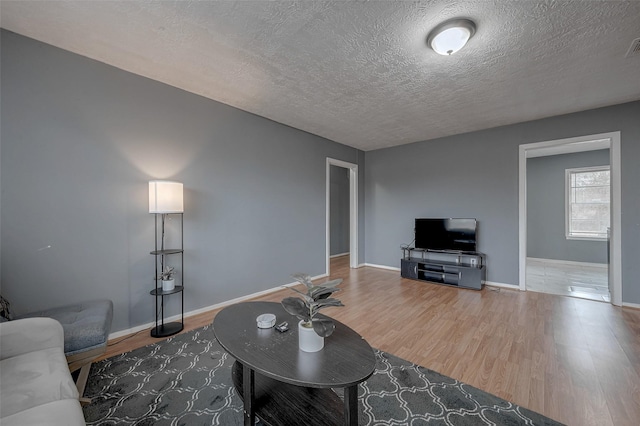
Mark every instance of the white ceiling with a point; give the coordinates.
(360, 73)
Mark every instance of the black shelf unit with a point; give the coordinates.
(162, 328)
(160, 292)
(458, 269)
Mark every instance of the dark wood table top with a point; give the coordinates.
(346, 359)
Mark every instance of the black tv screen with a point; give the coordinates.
(453, 234)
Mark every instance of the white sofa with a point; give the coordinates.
(36, 387)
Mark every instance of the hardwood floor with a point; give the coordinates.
(576, 361)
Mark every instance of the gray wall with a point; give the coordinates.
(80, 141)
(476, 175)
(339, 210)
(546, 208)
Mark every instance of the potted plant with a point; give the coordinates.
(312, 330)
(167, 277)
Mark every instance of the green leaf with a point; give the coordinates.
(316, 306)
(296, 306)
(308, 298)
(315, 298)
(323, 327)
(303, 279)
(321, 292)
(328, 302)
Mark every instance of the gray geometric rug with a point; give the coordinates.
(186, 380)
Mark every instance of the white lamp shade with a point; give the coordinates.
(165, 197)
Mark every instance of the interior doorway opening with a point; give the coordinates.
(352, 174)
(613, 246)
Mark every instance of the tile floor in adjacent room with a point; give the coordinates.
(585, 281)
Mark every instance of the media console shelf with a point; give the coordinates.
(459, 269)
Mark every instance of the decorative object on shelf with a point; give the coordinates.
(450, 36)
(311, 330)
(167, 277)
(166, 198)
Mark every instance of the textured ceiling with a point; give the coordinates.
(360, 73)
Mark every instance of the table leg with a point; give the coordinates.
(248, 389)
(351, 405)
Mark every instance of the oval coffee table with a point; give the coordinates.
(283, 385)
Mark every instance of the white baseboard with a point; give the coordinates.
(339, 255)
(568, 262)
(502, 285)
(631, 305)
(138, 328)
(388, 268)
(128, 331)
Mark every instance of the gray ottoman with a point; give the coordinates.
(86, 331)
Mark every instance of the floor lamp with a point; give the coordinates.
(165, 198)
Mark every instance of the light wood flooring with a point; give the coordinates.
(576, 361)
(568, 279)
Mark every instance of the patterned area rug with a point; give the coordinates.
(186, 380)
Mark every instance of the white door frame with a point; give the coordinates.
(353, 210)
(577, 144)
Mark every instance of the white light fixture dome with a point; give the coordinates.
(451, 36)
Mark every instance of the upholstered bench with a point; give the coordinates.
(86, 331)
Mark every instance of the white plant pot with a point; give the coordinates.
(168, 285)
(308, 340)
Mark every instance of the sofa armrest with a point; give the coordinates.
(30, 334)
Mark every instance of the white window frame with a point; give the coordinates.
(567, 188)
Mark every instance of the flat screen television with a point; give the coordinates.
(452, 234)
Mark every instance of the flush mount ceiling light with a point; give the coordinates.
(451, 36)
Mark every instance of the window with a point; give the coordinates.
(587, 195)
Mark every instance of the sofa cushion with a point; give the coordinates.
(67, 412)
(33, 379)
(33, 334)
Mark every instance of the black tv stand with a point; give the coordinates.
(455, 268)
(459, 252)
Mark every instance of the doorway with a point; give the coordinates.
(609, 141)
(352, 174)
